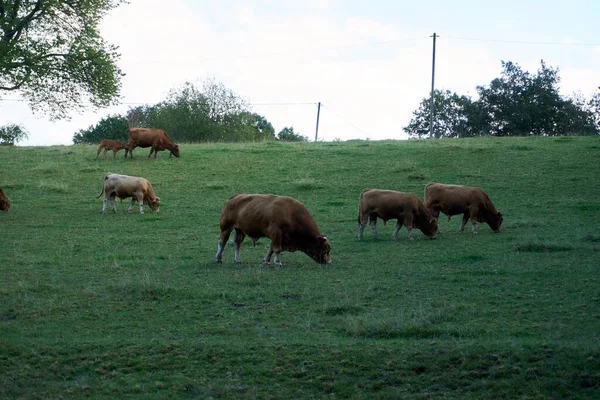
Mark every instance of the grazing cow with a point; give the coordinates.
(124, 186)
(156, 139)
(471, 202)
(285, 221)
(406, 208)
(109, 144)
(4, 202)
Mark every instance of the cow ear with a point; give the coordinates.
(322, 238)
(156, 200)
(499, 215)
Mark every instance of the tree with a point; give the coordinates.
(51, 52)
(287, 134)
(11, 134)
(111, 127)
(594, 108)
(455, 116)
(515, 104)
(213, 113)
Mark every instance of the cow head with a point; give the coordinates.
(175, 150)
(495, 221)
(432, 228)
(4, 204)
(320, 253)
(154, 204)
(428, 224)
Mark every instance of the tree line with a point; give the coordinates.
(209, 113)
(517, 103)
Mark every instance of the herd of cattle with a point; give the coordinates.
(285, 221)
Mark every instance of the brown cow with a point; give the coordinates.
(4, 202)
(471, 202)
(406, 208)
(156, 139)
(109, 144)
(124, 186)
(284, 220)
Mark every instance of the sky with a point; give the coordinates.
(369, 63)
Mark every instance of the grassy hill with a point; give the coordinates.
(125, 305)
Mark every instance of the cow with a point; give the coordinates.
(4, 202)
(124, 186)
(406, 208)
(109, 144)
(156, 139)
(284, 220)
(471, 202)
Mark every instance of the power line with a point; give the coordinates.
(345, 120)
(525, 42)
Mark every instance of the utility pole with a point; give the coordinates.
(318, 114)
(431, 136)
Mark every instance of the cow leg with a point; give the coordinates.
(151, 151)
(140, 200)
(238, 239)
(408, 221)
(397, 229)
(276, 247)
(362, 222)
(105, 151)
(474, 214)
(115, 154)
(267, 260)
(465, 218)
(104, 206)
(112, 203)
(373, 224)
(98, 154)
(131, 205)
(223, 238)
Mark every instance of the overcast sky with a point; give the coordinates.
(368, 62)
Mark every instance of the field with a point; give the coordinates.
(130, 305)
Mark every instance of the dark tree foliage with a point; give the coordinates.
(287, 134)
(52, 54)
(111, 127)
(454, 116)
(11, 134)
(515, 104)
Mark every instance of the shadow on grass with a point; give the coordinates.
(540, 247)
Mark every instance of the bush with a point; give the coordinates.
(11, 134)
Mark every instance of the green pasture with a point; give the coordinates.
(124, 305)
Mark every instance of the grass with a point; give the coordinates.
(130, 305)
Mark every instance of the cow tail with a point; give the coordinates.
(359, 203)
(105, 177)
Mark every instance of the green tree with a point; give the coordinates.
(51, 52)
(594, 108)
(212, 113)
(287, 134)
(455, 116)
(515, 104)
(519, 103)
(11, 134)
(111, 127)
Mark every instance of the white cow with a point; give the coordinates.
(124, 186)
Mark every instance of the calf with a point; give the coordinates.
(4, 202)
(406, 208)
(109, 144)
(471, 202)
(284, 220)
(124, 186)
